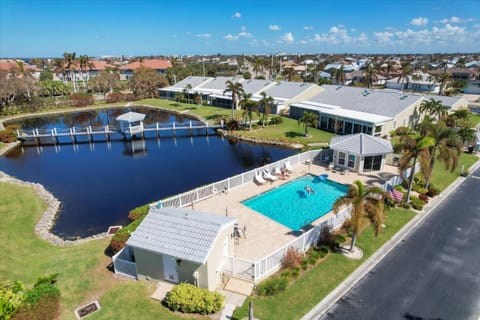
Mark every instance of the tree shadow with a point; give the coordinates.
(292, 134)
(410, 316)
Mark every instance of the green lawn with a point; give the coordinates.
(306, 292)
(83, 268)
(442, 177)
(474, 119)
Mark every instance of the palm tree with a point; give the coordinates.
(308, 119)
(367, 203)
(340, 75)
(84, 62)
(444, 79)
(466, 134)
(266, 102)
(24, 78)
(186, 91)
(405, 75)
(370, 74)
(69, 60)
(413, 149)
(249, 106)
(446, 144)
(59, 68)
(461, 114)
(433, 108)
(236, 88)
(257, 66)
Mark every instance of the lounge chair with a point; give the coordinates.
(268, 176)
(288, 167)
(258, 178)
(277, 171)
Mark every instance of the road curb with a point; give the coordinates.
(344, 287)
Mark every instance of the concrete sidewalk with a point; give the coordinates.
(324, 305)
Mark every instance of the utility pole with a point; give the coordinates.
(203, 66)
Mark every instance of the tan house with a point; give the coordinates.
(178, 245)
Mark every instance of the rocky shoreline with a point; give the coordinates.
(47, 221)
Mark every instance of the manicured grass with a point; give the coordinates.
(442, 177)
(288, 131)
(306, 292)
(474, 119)
(82, 269)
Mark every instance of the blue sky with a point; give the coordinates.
(43, 28)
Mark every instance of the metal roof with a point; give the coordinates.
(131, 117)
(362, 144)
(287, 90)
(194, 81)
(380, 102)
(178, 232)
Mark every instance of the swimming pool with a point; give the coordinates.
(291, 205)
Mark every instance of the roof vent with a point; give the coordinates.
(403, 97)
(365, 93)
(339, 87)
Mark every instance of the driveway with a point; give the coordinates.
(433, 274)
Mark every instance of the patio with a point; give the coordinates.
(263, 235)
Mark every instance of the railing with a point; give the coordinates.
(190, 197)
(123, 264)
(396, 180)
(259, 270)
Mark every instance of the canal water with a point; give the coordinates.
(99, 182)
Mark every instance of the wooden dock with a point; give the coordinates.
(53, 135)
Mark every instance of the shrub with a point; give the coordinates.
(276, 120)
(292, 258)
(129, 97)
(331, 238)
(404, 205)
(139, 212)
(304, 263)
(41, 302)
(187, 298)
(233, 125)
(7, 136)
(81, 99)
(322, 251)
(400, 188)
(433, 191)
(295, 272)
(121, 236)
(423, 197)
(272, 286)
(416, 203)
(11, 298)
(114, 97)
(389, 203)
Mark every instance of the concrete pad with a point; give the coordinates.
(227, 312)
(162, 289)
(236, 299)
(239, 286)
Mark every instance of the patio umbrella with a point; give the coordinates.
(250, 311)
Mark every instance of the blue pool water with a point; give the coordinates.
(292, 206)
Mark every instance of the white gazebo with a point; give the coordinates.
(131, 123)
(360, 152)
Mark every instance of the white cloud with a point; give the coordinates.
(454, 19)
(308, 27)
(230, 37)
(353, 30)
(334, 29)
(420, 21)
(243, 28)
(237, 15)
(303, 42)
(204, 35)
(384, 37)
(245, 34)
(274, 27)
(362, 38)
(287, 37)
(477, 26)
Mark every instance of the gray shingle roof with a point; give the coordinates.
(218, 83)
(178, 232)
(192, 80)
(287, 90)
(446, 101)
(362, 144)
(254, 86)
(385, 103)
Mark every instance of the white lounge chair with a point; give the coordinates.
(258, 178)
(268, 176)
(288, 167)
(277, 171)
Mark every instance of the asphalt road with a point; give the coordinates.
(433, 274)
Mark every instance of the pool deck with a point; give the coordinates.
(263, 235)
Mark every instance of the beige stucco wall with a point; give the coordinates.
(359, 161)
(216, 259)
(148, 264)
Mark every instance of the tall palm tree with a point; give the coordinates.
(257, 66)
(446, 148)
(413, 149)
(466, 134)
(404, 77)
(59, 68)
(367, 203)
(186, 91)
(69, 60)
(25, 79)
(266, 102)
(370, 74)
(308, 119)
(84, 63)
(433, 108)
(249, 106)
(445, 79)
(340, 75)
(236, 88)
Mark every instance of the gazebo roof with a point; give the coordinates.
(361, 144)
(131, 117)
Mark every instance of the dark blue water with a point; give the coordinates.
(98, 183)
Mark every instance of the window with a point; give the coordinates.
(348, 127)
(372, 163)
(351, 161)
(341, 158)
(378, 129)
(324, 122)
(357, 128)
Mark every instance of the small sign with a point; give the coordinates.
(87, 309)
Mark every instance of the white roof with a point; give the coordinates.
(178, 232)
(362, 144)
(131, 117)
